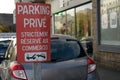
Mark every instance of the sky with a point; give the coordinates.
(7, 6)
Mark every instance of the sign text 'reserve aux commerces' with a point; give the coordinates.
(33, 32)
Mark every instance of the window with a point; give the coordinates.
(65, 50)
(76, 21)
(3, 46)
(70, 22)
(65, 22)
(60, 18)
(84, 20)
(110, 22)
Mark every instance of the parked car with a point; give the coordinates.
(87, 43)
(4, 45)
(68, 62)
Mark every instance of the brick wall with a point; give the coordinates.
(110, 60)
(107, 59)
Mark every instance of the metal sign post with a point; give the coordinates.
(37, 70)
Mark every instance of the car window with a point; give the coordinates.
(3, 46)
(65, 50)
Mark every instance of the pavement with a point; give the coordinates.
(107, 73)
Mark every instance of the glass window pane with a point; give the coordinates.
(64, 50)
(60, 18)
(3, 46)
(70, 25)
(110, 22)
(84, 20)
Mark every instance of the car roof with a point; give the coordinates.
(3, 39)
(10, 39)
(63, 37)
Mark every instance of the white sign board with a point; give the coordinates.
(113, 20)
(104, 21)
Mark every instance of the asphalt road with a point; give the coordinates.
(108, 74)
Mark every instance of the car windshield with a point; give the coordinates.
(3, 46)
(64, 50)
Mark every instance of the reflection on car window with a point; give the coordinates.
(3, 46)
(64, 50)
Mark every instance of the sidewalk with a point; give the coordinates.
(108, 74)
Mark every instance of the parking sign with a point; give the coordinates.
(33, 32)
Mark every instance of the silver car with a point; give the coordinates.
(68, 62)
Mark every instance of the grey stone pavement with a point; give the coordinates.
(107, 73)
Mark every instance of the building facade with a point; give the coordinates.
(99, 19)
(106, 27)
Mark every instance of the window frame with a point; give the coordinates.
(103, 47)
